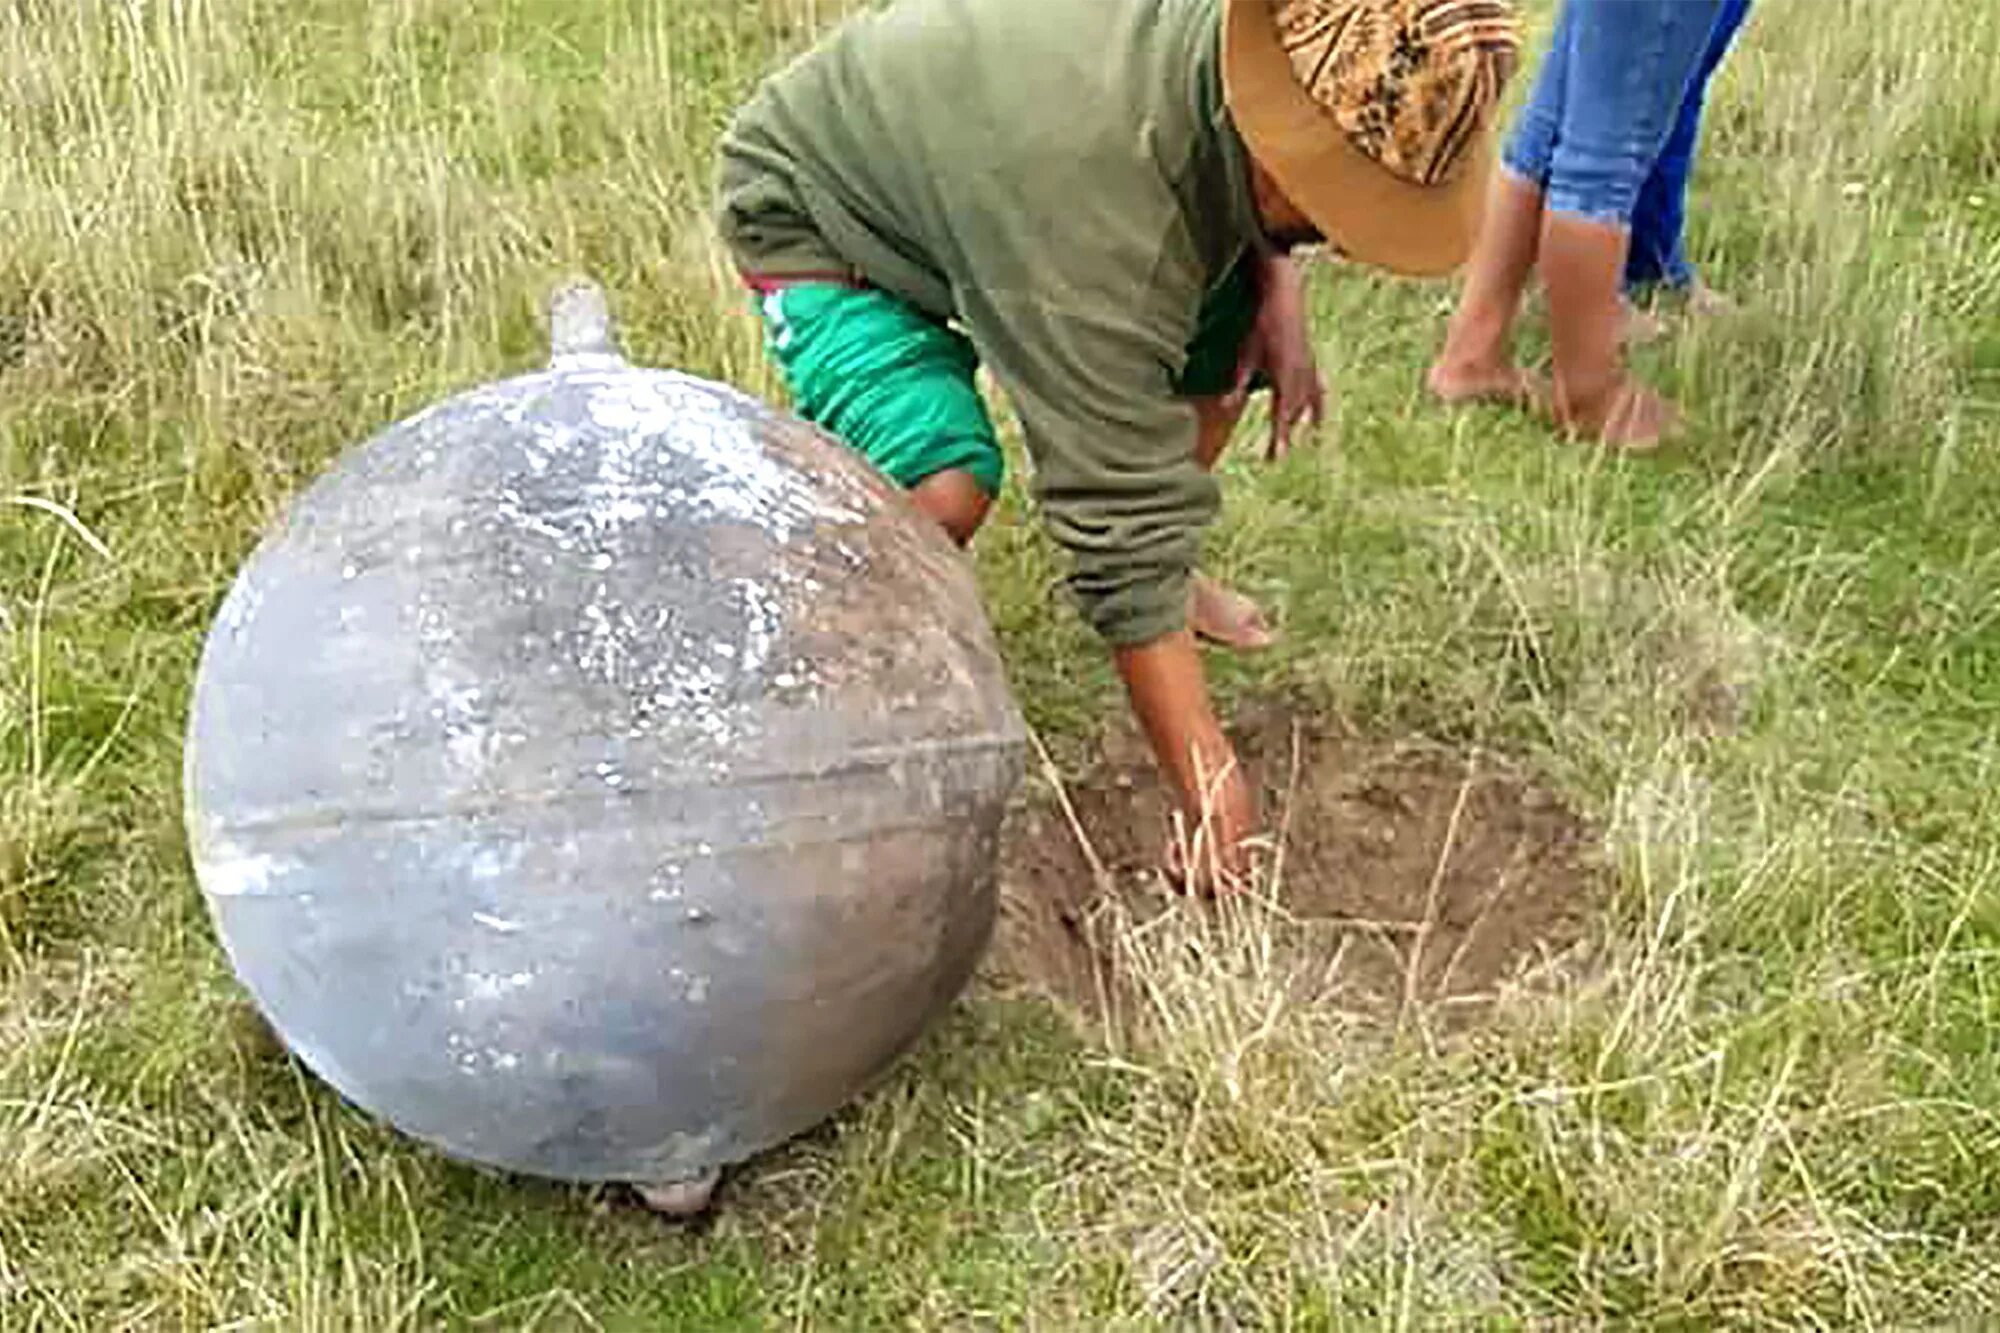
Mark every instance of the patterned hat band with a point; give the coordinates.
(1412, 83)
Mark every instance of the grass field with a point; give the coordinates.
(240, 235)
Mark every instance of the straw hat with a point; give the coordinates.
(1375, 116)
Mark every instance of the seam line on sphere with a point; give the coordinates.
(552, 797)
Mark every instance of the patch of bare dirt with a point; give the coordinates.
(1435, 875)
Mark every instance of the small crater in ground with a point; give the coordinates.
(1435, 875)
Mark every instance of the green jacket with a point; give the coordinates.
(1061, 179)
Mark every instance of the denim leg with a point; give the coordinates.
(1658, 254)
(1531, 146)
(1629, 67)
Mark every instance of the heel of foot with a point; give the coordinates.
(1632, 418)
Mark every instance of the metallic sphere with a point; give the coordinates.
(599, 775)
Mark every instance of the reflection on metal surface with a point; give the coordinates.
(599, 774)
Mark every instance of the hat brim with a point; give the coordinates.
(1361, 208)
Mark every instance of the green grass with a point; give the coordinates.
(242, 235)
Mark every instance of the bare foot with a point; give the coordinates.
(1631, 417)
(680, 1199)
(1224, 616)
(1505, 385)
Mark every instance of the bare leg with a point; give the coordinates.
(1477, 363)
(1217, 612)
(955, 500)
(1581, 263)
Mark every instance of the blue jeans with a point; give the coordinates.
(1658, 255)
(1605, 101)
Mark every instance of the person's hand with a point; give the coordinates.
(1218, 848)
(1213, 847)
(1280, 345)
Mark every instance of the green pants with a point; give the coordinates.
(898, 385)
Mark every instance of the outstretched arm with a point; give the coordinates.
(1170, 698)
(1121, 489)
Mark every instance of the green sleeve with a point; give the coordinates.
(1113, 450)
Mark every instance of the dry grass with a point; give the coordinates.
(241, 235)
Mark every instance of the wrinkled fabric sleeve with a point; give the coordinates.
(1113, 450)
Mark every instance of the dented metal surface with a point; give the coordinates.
(599, 775)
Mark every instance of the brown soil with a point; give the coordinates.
(1438, 876)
